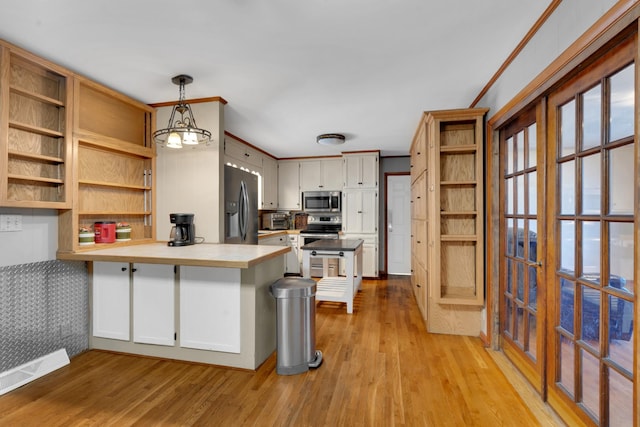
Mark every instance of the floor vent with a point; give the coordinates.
(19, 376)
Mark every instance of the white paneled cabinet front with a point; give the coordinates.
(360, 211)
(289, 185)
(111, 300)
(153, 304)
(269, 183)
(321, 175)
(210, 308)
(361, 170)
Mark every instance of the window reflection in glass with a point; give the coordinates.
(520, 326)
(509, 235)
(520, 281)
(591, 191)
(520, 194)
(519, 151)
(590, 383)
(509, 201)
(591, 117)
(621, 253)
(508, 152)
(533, 287)
(533, 144)
(567, 129)
(568, 187)
(520, 240)
(591, 250)
(620, 396)
(590, 316)
(533, 193)
(567, 291)
(621, 332)
(566, 366)
(509, 317)
(567, 245)
(509, 276)
(533, 240)
(621, 103)
(620, 179)
(533, 348)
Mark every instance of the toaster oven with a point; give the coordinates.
(275, 221)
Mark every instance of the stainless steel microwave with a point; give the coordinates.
(322, 201)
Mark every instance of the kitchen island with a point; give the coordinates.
(336, 288)
(207, 303)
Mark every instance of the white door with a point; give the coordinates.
(399, 224)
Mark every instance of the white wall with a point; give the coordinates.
(38, 240)
(189, 179)
(568, 22)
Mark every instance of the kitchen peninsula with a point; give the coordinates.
(206, 303)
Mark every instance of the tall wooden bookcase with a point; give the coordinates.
(448, 214)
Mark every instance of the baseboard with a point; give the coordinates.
(23, 374)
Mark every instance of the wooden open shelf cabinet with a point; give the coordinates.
(456, 204)
(35, 112)
(114, 160)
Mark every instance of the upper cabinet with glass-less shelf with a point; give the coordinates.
(35, 113)
(114, 164)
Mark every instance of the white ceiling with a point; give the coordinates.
(289, 69)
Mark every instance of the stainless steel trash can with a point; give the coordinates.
(296, 325)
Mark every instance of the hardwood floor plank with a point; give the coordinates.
(381, 368)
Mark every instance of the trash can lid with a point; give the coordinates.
(293, 287)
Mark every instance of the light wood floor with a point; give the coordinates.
(381, 368)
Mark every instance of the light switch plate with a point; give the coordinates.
(10, 222)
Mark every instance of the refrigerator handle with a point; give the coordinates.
(244, 210)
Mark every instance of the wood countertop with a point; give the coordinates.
(202, 255)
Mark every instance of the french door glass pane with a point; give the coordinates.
(567, 129)
(591, 117)
(533, 287)
(519, 326)
(511, 241)
(520, 241)
(621, 253)
(591, 191)
(533, 193)
(591, 250)
(567, 246)
(621, 103)
(508, 153)
(509, 287)
(567, 364)
(508, 324)
(533, 240)
(520, 281)
(533, 144)
(590, 380)
(621, 176)
(509, 201)
(533, 328)
(568, 187)
(590, 315)
(567, 292)
(621, 332)
(519, 151)
(520, 194)
(620, 400)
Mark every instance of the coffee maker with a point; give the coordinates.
(183, 233)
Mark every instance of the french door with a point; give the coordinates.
(568, 233)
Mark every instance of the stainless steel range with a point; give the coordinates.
(322, 226)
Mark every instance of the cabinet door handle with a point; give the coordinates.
(134, 270)
(124, 268)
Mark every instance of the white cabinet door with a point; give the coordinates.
(360, 213)
(153, 304)
(321, 175)
(369, 254)
(292, 258)
(110, 299)
(361, 170)
(242, 155)
(289, 185)
(269, 183)
(332, 174)
(210, 308)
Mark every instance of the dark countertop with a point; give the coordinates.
(333, 245)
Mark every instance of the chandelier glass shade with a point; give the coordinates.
(182, 129)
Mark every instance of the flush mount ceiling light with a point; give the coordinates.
(330, 139)
(184, 130)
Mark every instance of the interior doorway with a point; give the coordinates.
(398, 223)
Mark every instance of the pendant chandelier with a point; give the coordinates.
(183, 130)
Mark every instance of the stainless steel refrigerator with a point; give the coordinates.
(240, 206)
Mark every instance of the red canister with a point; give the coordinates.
(105, 231)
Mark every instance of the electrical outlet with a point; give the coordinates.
(65, 330)
(10, 222)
